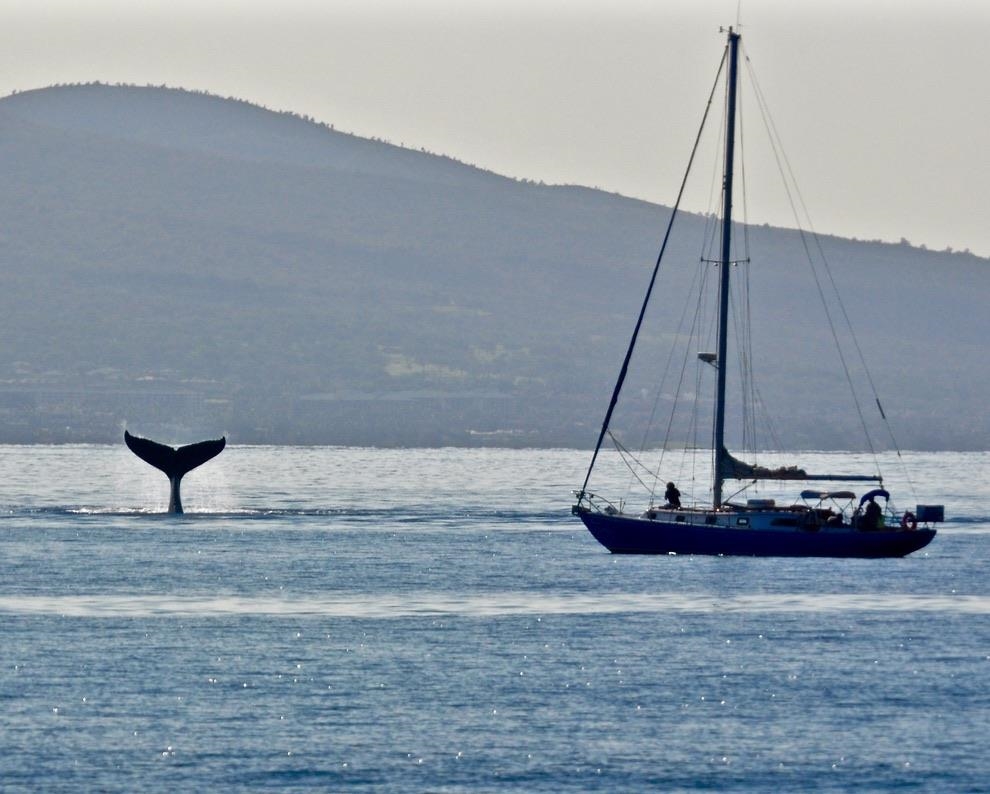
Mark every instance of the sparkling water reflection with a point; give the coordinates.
(388, 607)
(328, 619)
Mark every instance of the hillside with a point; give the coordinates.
(190, 265)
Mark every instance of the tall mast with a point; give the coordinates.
(725, 265)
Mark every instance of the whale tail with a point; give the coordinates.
(174, 462)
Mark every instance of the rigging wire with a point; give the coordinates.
(859, 353)
(680, 381)
(709, 240)
(690, 454)
(771, 430)
(742, 174)
(656, 268)
(749, 391)
(739, 305)
(741, 308)
(787, 176)
(625, 455)
(659, 390)
(662, 381)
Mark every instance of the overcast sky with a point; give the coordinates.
(881, 104)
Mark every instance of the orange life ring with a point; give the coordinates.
(908, 521)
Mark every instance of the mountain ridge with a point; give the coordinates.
(210, 125)
(404, 299)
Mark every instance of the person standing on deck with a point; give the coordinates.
(872, 516)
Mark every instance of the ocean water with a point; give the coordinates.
(435, 620)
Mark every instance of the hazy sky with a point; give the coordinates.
(882, 104)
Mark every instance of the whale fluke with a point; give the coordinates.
(175, 462)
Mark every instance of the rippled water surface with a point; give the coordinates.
(435, 620)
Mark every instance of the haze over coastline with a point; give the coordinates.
(190, 265)
(201, 264)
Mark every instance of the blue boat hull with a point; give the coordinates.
(625, 535)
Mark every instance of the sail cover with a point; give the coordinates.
(734, 469)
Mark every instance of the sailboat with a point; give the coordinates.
(820, 523)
